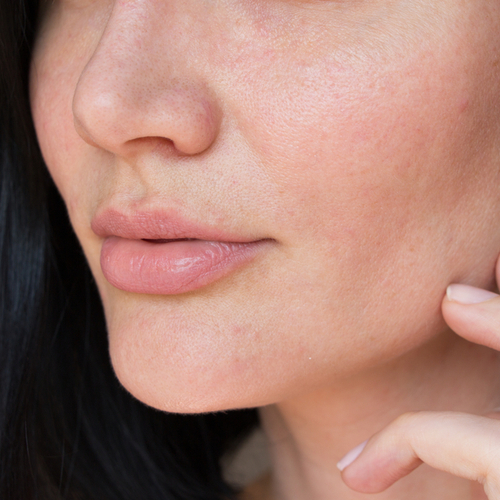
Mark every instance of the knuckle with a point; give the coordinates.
(404, 428)
(407, 421)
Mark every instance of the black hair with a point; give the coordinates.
(68, 430)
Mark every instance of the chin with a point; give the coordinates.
(177, 395)
(188, 382)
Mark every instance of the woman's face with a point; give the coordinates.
(338, 159)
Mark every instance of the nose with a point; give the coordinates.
(138, 86)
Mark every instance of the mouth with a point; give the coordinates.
(163, 240)
(164, 255)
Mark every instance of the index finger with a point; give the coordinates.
(473, 313)
(464, 445)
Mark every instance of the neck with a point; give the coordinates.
(309, 434)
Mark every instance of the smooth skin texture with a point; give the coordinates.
(362, 137)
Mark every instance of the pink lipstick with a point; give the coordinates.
(153, 253)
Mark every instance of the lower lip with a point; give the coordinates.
(174, 267)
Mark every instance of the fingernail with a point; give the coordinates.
(466, 294)
(351, 456)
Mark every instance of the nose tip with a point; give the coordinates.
(114, 107)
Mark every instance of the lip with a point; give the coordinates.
(163, 254)
(158, 225)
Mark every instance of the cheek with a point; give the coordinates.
(381, 145)
(52, 114)
(74, 167)
(62, 50)
(326, 133)
(387, 180)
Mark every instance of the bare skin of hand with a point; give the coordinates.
(461, 444)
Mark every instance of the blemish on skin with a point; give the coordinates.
(464, 105)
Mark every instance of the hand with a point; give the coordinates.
(431, 437)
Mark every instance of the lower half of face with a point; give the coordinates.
(356, 147)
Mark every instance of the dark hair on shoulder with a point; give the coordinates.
(68, 430)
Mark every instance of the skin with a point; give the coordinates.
(363, 139)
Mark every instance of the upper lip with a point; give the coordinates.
(157, 225)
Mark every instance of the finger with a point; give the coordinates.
(473, 313)
(464, 445)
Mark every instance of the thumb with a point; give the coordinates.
(474, 314)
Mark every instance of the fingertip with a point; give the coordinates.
(466, 294)
(356, 473)
(373, 472)
(350, 456)
(473, 313)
